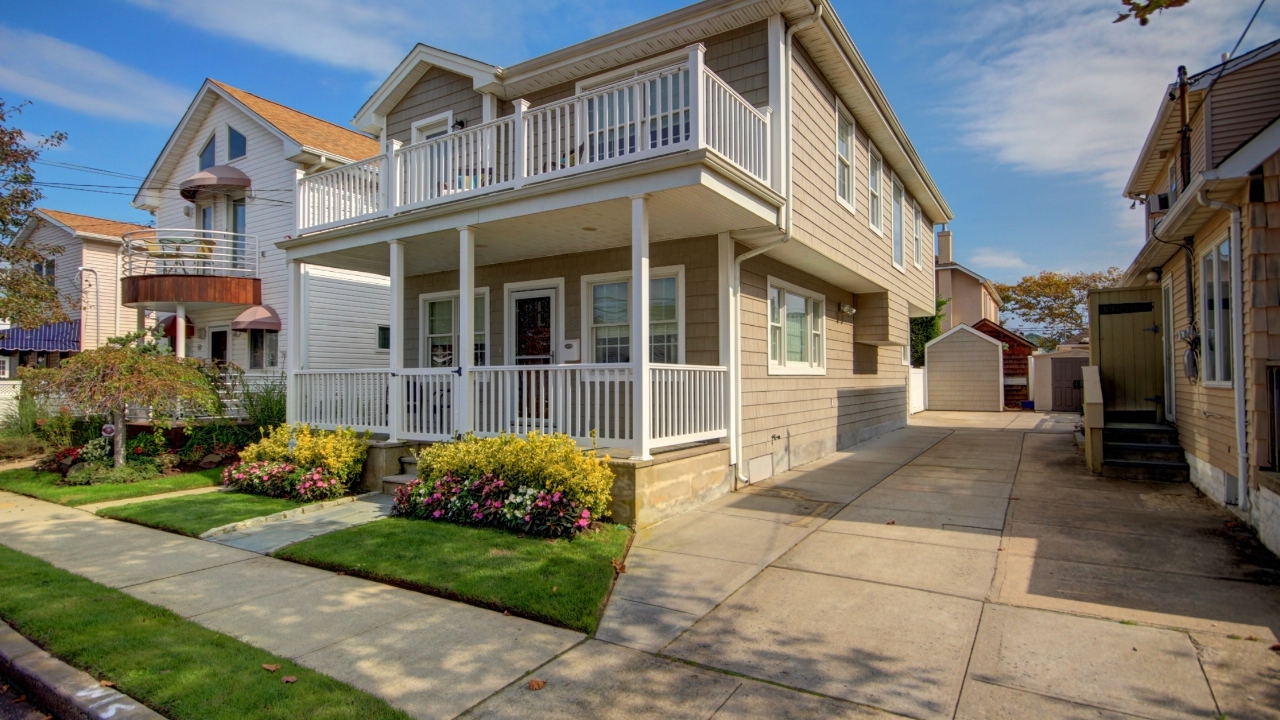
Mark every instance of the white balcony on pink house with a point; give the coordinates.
(680, 108)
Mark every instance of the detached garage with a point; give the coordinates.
(965, 371)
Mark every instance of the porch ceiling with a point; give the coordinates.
(690, 211)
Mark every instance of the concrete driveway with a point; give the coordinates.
(965, 567)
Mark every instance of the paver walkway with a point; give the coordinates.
(965, 567)
(269, 537)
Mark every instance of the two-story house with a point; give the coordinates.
(1209, 176)
(701, 235)
(87, 274)
(222, 193)
(970, 296)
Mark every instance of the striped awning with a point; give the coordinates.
(55, 337)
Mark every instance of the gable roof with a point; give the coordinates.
(307, 139)
(305, 129)
(82, 225)
(993, 329)
(986, 283)
(1163, 135)
(957, 329)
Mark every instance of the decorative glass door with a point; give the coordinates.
(533, 314)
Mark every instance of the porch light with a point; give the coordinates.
(458, 125)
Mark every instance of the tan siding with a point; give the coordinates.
(103, 257)
(1243, 103)
(438, 91)
(964, 373)
(64, 264)
(701, 282)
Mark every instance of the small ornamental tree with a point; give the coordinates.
(105, 380)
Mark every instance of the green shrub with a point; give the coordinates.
(219, 436)
(148, 445)
(102, 473)
(543, 462)
(264, 403)
(15, 447)
(26, 413)
(340, 453)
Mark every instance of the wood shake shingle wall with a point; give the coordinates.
(437, 92)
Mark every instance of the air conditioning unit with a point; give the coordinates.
(1162, 203)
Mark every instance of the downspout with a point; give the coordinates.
(1237, 342)
(735, 275)
(97, 305)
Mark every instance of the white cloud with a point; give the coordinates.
(990, 258)
(42, 68)
(374, 37)
(1055, 87)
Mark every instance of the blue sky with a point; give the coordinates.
(1027, 114)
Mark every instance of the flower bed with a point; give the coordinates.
(299, 463)
(542, 485)
(283, 480)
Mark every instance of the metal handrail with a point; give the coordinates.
(185, 251)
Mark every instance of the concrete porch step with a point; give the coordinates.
(1142, 451)
(391, 483)
(1148, 434)
(1157, 470)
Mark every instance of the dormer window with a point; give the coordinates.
(207, 155)
(237, 146)
(433, 127)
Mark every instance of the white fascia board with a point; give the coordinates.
(371, 117)
(1131, 187)
(957, 329)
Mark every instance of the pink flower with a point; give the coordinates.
(586, 513)
(436, 514)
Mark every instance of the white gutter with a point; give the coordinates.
(1237, 354)
(735, 273)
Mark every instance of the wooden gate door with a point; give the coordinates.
(1068, 384)
(1126, 342)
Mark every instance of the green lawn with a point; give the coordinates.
(194, 514)
(43, 486)
(176, 667)
(563, 582)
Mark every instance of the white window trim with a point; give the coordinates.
(872, 152)
(248, 349)
(211, 136)
(454, 295)
(906, 354)
(420, 127)
(894, 187)
(1227, 384)
(676, 271)
(918, 233)
(230, 128)
(643, 67)
(376, 329)
(851, 202)
(780, 367)
(509, 321)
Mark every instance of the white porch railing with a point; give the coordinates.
(185, 251)
(330, 399)
(688, 402)
(674, 109)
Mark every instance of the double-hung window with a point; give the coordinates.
(919, 235)
(607, 316)
(875, 203)
(797, 324)
(1215, 289)
(439, 323)
(844, 160)
(899, 242)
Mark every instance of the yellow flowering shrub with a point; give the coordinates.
(550, 462)
(340, 452)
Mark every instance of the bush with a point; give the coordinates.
(489, 501)
(152, 444)
(339, 453)
(264, 403)
(543, 462)
(21, 446)
(283, 480)
(102, 473)
(220, 436)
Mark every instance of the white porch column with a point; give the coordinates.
(466, 327)
(727, 302)
(293, 316)
(640, 324)
(180, 332)
(697, 96)
(395, 404)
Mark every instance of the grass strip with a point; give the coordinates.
(559, 582)
(194, 514)
(174, 666)
(44, 486)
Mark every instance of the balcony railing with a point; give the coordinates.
(190, 252)
(675, 109)
(592, 403)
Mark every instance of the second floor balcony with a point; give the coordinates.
(679, 108)
(163, 268)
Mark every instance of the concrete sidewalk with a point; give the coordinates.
(432, 658)
(268, 537)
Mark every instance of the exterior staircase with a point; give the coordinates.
(409, 471)
(1143, 451)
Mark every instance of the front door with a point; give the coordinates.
(218, 347)
(1068, 384)
(533, 314)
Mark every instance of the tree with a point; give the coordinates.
(1056, 303)
(1142, 11)
(107, 379)
(27, 299)
(924, 329)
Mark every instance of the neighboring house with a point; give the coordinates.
(591, 209)
(1016, 352)
(970, 297)
(1206, 281)
(222, 193)
(87, 273)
